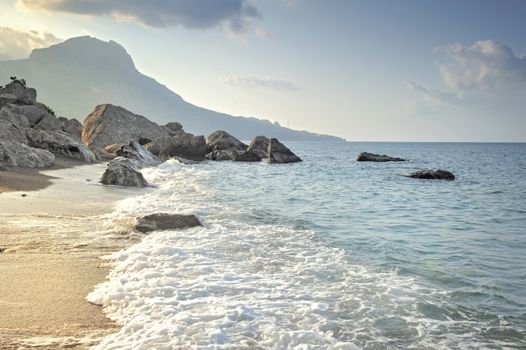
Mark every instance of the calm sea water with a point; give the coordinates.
(330, 253)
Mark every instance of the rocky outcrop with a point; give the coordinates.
(186, 146)
(279, 153)
(59, 142)
(372, 157)
(220, 145)
(109, 124)
(432, 175)
(17, 92)
(137, 152)
(163, 221)
(259, 146)
(123, 172)
(15, 154)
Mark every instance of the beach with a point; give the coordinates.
(50, 256)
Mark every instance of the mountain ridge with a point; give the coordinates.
(80, 73)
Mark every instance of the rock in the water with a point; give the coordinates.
(259, 146)
(185, 146)
(279, 153)
(137, 152)
(371, 157)
(15, 154)
(163, 221)
(220, 145)
(123, 172)
(59, 142)
(109, 124)
(173, 129)
(247, 156)
(432, 175)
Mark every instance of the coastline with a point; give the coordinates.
(53, 233)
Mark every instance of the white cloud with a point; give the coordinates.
(236, 15)
(15, 43)
(255, 82)
(432, 97)
(484, 66)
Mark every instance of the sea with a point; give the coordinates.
(328, 253)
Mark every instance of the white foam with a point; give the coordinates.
(234, 285)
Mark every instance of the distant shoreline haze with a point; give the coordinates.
(75, 76)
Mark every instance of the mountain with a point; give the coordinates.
(74, 76)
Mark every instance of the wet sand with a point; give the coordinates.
(51, 241)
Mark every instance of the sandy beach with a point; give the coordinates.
(53, 232)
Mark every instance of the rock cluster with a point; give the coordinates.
(31, 135)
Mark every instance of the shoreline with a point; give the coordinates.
(51, 241)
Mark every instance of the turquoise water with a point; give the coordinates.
(332, 253)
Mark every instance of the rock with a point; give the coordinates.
(185, 146)
(109, 124)
(16, 91)
(15, 154)
(113, 148)
(432, 175)
(165, 221)
(49, 122)
(279, 153)
(220, 145)
(247, 156)
(144, 141)
(123, 172)
(11, 132)
(259, 146)
(137, 152)
(72, 126)
(371, 157)
(59, 142)
(33, 113)
(14, 118)
(173, 128)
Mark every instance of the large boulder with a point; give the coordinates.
(432, 175)
(123, 172)
(16, 154)
(137, 152)
(279, 153)
(372, 157)
(163, 221)
(59, 142)
(259, 146)
(220, 145)
(33, 113)
(247, 156)
(186, 146)
(109, 124)
(173, 128)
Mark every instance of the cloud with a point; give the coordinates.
(482, 67)
(15, 44)
(235, 15)
(255, 82)
(432, 97)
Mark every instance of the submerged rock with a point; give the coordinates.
(372, 157)
(123, 172)
(432, 175)
(163, 221)
(279, 153)
(259, 146)
(109, 124)
(184, 145)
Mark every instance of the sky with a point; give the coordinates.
(371, 70)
